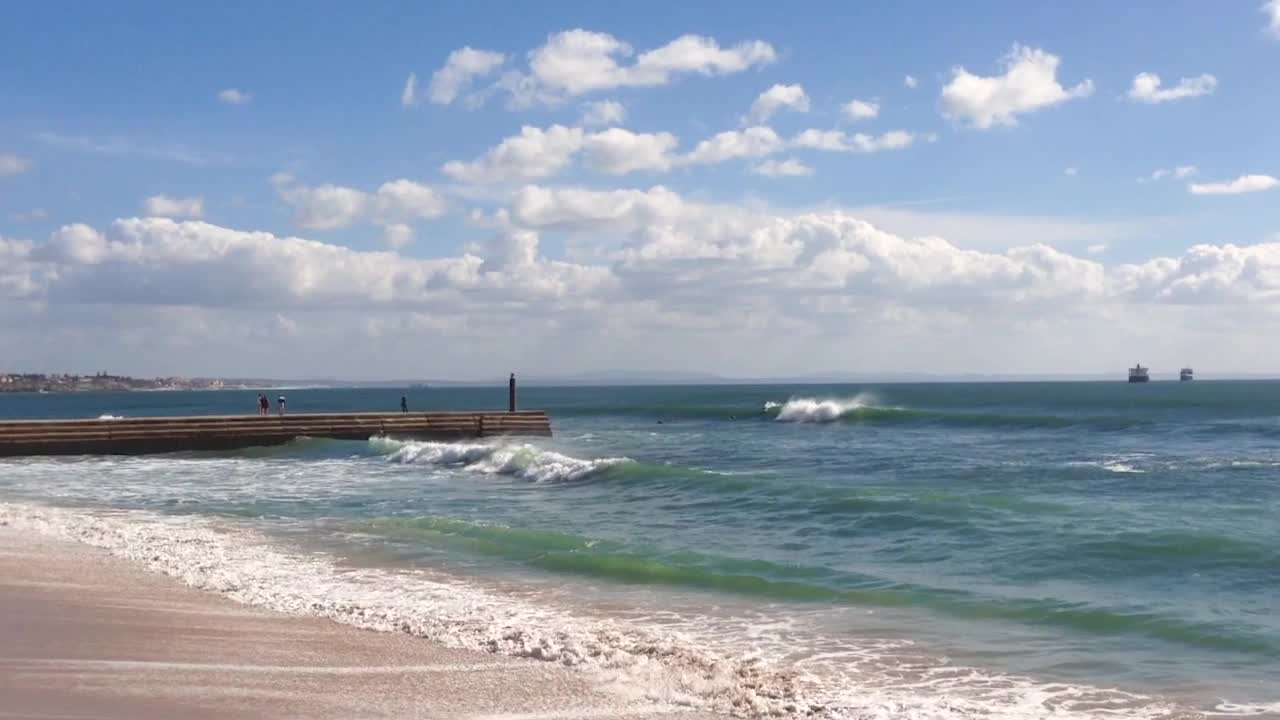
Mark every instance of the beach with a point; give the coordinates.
(87, 635)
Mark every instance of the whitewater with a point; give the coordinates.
(961, 551)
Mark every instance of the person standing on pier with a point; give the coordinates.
(264, 405)
(280, 404)
(404, 404)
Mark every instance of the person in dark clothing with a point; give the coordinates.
(404, 404)
(264, 405)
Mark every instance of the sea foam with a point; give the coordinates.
(520, 460)
(638, 659)
(811, 410)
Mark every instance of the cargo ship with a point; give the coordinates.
(1187, 375)
(1139, 374)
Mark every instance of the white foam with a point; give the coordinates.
(520, 460)
(110, 417)
(808, 410)
(872, 680)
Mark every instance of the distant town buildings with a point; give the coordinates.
(101, 381)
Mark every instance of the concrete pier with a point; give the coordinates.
(139, 436)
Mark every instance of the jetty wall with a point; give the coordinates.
(138, 436)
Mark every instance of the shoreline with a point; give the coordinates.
(87, 634)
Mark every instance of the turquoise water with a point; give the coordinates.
(881, 538)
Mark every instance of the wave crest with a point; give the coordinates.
(522, 460)
(811, 410)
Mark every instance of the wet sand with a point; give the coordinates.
(86, 635)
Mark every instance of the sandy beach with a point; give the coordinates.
(87, 635)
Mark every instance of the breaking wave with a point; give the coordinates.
(875, 679)
(807, 410)
(522, 460)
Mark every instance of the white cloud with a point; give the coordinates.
(11, 164)
(647, 285)
(840, 141)
(31, 216)
(173, 207)
(1071, 172)
(159, 261)
(910, 82)
(234, 96)
(604, 113)
(118, 147)
(1029, 83)
(332, 207)
(533, 154)
(397, 235)
(1242, 184)
(861, 109)
(575, 62)
(409, 95)
(460, 70)
(617, 151)
(1146, 88)
(1181, 172)
(1272, 9)
(790, 167)
(775, 98)
(755, 141)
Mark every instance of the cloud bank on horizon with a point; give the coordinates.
(709, 201)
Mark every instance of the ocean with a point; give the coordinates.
(1003, 550)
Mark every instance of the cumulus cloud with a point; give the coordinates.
(617, 151)
(576, 62)
(11, 165)
(910, 82)
(397, 235)
(533, 154)
(456, 76)
(1029, 83)
(1242, 184)
(1146, 88)
(861, 109)
(1272, 9)
(840, 141)
(792, 97)
(789, 167)
(234, 96)
(650, 265)
(332, 207)
(755, 141)
(604, 113)
(173, 207)
(159, 261)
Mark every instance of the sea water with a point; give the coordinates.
(1015, 550)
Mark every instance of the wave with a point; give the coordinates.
(701, 669)
(522, 460)
(814, 410)
(863, 409)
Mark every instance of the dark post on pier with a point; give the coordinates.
(511, 393)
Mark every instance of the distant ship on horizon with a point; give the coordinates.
(1187, 375)
(1139, 374)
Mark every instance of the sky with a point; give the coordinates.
(455, 191)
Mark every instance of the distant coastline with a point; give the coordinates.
(103, 382)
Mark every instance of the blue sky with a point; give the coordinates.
(115, 104)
